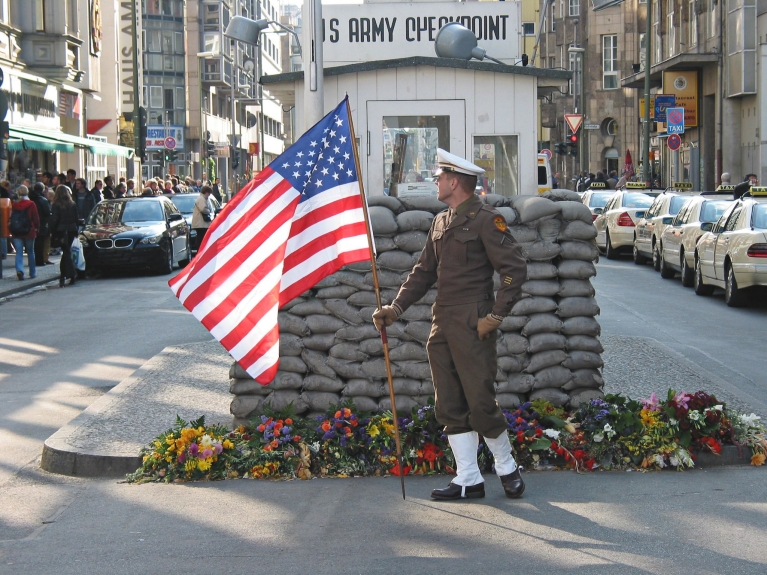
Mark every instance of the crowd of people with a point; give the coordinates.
(42, 219)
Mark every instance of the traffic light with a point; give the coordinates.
(572, 145)
(560, 148)
(210, 146)
(142, 133)
(4, 135)
(235, 157)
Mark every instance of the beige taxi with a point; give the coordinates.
(615, 223)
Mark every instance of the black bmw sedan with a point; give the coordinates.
(136, 232)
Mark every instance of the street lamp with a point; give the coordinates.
(248, 31)
(200, 57)
(456, 41)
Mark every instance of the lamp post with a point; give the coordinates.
(200, 66)
(579, 98)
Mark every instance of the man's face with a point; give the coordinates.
(99, 185)
(754, 180)
(446, 187)
(199, 182)
(153, 185)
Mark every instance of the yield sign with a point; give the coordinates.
(574, 121)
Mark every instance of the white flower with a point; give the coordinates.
(751, 420)
(659, 461)
(598, 437)
(718, 408)
(552, 433)
(672, 421)
(694, 415)
(206, 442)
(608, 428)
(412, 453)
(673, 461)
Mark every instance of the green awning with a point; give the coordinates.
(19, 142)
(96, 147)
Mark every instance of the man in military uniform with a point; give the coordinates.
(466, 244)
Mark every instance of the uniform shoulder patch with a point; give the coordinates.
(500, 223)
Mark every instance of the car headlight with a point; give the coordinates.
(151, 239)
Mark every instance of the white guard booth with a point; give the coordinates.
(406, 102)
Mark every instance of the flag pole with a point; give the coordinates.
(384, 338)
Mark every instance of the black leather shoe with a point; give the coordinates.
(513, 484)
(454, 491)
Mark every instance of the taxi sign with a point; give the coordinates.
(682, 185)
(758, 191)
(726, 188)
(595, 185)
(636, 185)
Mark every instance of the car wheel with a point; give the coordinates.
(185, 261)
(733, 296)
(655, 257)
(666, 272)
(610, 251)
(688, 274)
(639, 259)
(700, 287)
(167, 265)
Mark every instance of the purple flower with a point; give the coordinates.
(182, 457)
(652, 403)
(207, 453)
(218, 448)
(194, 449)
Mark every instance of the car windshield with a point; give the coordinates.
(676, 204)
(637, 201)
(712, 211)
(106, 213)
(143, 212)
(184, 202)
(759, 216)
(598, 200)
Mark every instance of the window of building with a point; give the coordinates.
(528, 28)
(211, 15)
(712, 27)
(40, 15)
(642, 52)
(154, 41)
(610, 62)
(499, 156)
(168, 63)
(167, 42)
(168, 99)
(670, 29)
(657, 40)
(213, 42)
(155, 96)
(180, 97)
(554, 14)
(575, 7)
(573, 86)
(693, 27)
(179, 42)
(552, 62)
(153, 62)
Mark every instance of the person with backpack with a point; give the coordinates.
(43, 239)
(24, 224)
(64, 228)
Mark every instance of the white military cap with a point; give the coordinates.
(447, 162)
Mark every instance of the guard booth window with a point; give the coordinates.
(410, 148)
(499, 156)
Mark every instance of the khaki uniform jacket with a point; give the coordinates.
(461, 257)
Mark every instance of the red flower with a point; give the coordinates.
(289, 421)
(347, 430)
(337, 414)
(579, 454)
(326, 425)
(261, 428)
(589, 463)
(520, 436)
(396, 470)
(554, 445)
(538, 432)
(296, 438)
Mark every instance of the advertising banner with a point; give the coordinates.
(684, 85)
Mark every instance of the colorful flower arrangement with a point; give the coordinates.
(611, 433)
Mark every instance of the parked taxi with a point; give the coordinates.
(615, 222)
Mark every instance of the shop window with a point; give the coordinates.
(499, 156)
(528, 28)
(410, 148)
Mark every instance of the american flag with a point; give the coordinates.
(299, 221)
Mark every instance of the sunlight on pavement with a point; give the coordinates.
(20, 358)
(609, 515)
(103, 371)
(124, 359)
(27, 345)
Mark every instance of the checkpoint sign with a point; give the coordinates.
(170, 143)
(675, 120)
(674, 142)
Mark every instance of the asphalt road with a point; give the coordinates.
(60, 349)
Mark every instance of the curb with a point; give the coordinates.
(62, 458)
(25, 287)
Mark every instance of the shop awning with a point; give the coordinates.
(96, 147)
(19, 142)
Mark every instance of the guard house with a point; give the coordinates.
(406, 102)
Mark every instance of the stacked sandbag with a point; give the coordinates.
(547, 347)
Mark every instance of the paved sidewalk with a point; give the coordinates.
(10, 284)
(192, 380)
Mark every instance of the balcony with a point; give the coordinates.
(52, 56)
(217, 71)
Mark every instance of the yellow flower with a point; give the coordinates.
(170, 440)
(373, 431)
(227, 444)
(190, 465)
(758, 459)
(203, 464)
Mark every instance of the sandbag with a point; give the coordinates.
(513, 323)
(243, 406)
(542, 288)
(508, 214)
(342, 310)
(348, 369)
(414, 369)
(546, 341)
(317, 363)
(396, 260)
(508, 400)
(575, 210)
(531, 208)
(541, 250)
(583, 360)
(544, 359)
(579, 250)
(576, 269)
(419, 330)
(362, 298)
(292, 303)
(376, 368)
(236, 371)
(516, 383)
(513, 363)
(336, 292)
(542, 322)
(511, 344)
(363, 266)
(548, 228)
(320, 341)
(584, 343)
(280, 400)
(362, 387)
(386, 278)
(358, 332)
(327, 281)
(417, 313)
(541, 271)
(404, 386)
(405, 404)
(576, 288)
(585, 378)
(382, 221)
(580, 396)
(310, 307)
(556, 397)
(554, 376)
(290, 323)
(365, 404)
(348, 351)
(581, 326)
(320, 401)
(324, 323)
(561, 195)
(415, 220)
(524, 234)
(389, 202)
(408, 352)
(248, 387)
(384, 244)
(352, 279)
(316, 382)
(578, 230)
(292, 364)
(531, 305)
(411, 242)
(575, 306)
(495, 200)
(427, 203)
(374, 346)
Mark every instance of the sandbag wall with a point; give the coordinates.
(548, 346)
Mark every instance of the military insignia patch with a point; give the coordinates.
(507, 280)
(500, 223)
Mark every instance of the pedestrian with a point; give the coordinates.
(202, 215)
(98, 191)
(465, 245)
(121, 190)
(5, 214)
(726, 179)
(64, 223)
(130, 189)
(168, 187)
(148, 192)
(622, 182)
(216, 191)
(84, 200)
(109, 188)
(43, 239)
(555, 181)
(751, 179)
(24, 225)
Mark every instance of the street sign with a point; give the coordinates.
(673, 142)
(546, 152)
(675, 120)
(590, 126)
(170, 143)
(662, 103)
(574, 121)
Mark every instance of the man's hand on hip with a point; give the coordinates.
(487, 325)
(385, 316)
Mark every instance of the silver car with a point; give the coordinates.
(647, 237)
(615, 224)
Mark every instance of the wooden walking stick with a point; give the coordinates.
(384, 339)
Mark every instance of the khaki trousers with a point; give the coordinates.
(463, 369)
